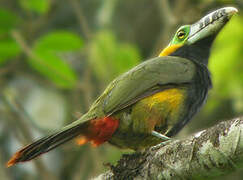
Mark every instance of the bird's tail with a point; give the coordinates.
(96, 131)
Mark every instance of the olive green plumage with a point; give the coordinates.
(152, 101)
(122, 99)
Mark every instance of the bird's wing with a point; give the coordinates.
(149, 77)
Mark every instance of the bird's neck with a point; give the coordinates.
(198, 51)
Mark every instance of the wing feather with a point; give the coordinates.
(145, 79)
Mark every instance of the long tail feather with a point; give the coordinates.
(96, 131)
(45, 144)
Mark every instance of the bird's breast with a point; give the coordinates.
(160, 112)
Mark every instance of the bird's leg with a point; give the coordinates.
(161, 136)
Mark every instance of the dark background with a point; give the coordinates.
(57, 56)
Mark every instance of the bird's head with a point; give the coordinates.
(194, 41)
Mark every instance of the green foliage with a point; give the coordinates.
(8, 20)
(37, 6)
(226, 63)
(59, 41)
(226, 1)
(8, 47)
(108, 58)
(48, 60)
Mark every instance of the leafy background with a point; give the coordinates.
(57, 56)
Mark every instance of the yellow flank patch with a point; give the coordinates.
(169, 49)
(173, 97)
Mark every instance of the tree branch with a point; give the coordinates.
(81, 18)
(212, 152)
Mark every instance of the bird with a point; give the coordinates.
(151, 102)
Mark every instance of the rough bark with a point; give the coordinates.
(212, 152)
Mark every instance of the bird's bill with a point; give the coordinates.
(210, 24)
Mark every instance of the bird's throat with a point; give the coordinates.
(198, 51)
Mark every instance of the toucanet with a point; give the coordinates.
(149, 103)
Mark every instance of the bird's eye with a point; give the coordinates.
(181, 34)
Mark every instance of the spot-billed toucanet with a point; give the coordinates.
(152, 101)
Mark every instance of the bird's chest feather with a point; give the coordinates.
(156, 112)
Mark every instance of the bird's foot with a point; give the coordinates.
(161, 136)
(164, 138)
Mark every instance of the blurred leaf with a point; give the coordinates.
(226, 62)
(49, 62)
(59, 41)
(225, 1)
(54, 68)
(108, 58)
(38, 6)
(8, 20)
(8, 49)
